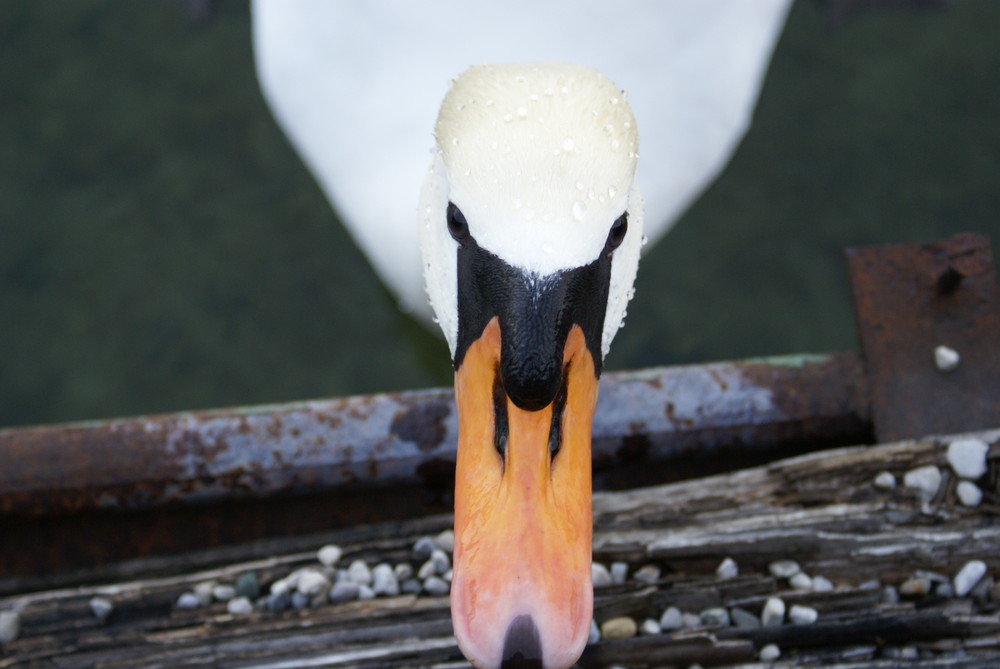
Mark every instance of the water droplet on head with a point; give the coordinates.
(568, 144)
(533, 97)
(609, 128)
(612, 191)
(454, 140)
(615, 145)
(579, 185)
(494, 145)
(508, 118)
(591, 195)
(522, 112)
(614, 101)
(579, 210)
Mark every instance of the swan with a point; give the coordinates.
(526, 238)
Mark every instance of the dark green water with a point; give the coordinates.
(161, 247)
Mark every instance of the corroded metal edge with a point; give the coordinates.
(692, 414)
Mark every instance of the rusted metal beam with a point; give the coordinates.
(697, 413)
(911, 299)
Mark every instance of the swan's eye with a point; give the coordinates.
(617, 233)
(457, 225)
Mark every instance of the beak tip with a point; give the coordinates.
(522, 647)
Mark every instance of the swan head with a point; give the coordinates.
(531, 225)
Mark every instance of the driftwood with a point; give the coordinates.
(821, 510)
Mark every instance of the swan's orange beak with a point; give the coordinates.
(522, 594)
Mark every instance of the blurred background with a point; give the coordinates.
(162, 248)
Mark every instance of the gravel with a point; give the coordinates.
(436, 586)
(445, 541)
(968, 576)
(10, 626)
(239, 606)
(248, 585)
(188, 601)
(743, 618)
(600, 575)
(621, 627)
(773, 613)
(329, 555)
(649, 574)
(967, 457)
(822, 584)
(619, 572)
(424, 546)
(715, 617)
(671, 620)
(801, 581)
(946, 358)
(313, 582)
(359, 572)
(384, 581)
(101, 607)
(344, 591)
(969, 493)
(802, 615)
(727, 569)
(924, 480)
(223, 592)
(784, 568)
(649, 627)
(885, 481)
(595, 633)
(769, 653)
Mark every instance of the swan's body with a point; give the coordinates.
(356, 86)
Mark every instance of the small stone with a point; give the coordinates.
(915, 586)
(691, 621)
(671, 620)
(101, 607)
(743, 618)
(595, 633)
(445, 541)
(773, 613)
(946, 590)
(384, 580)
(424, 546)
(411, 586)
(223, 592)
(621, 627)
(885, 481)
(427, 570)
(727, 569)
(946, 359)
(619, 572)
(300, 600)
(647, 574)
(359, 572)
(968, 576)
(188, 601)
(969, 493)
(239, 606)
(344, 591)
(890, 595)
(784, 568)
(649, 627)
(365, 592)
(822, 584)
(203, 591)
(247, 585)
(403, 571)
(802, 615)
(924, 480)
(329, 555)
(447, 575)
(967, 457)
(600, 575)
(436, 586)
(769, 653)
(442, 562)
(313, 582)
(279, 587)
(715, 617)
(801, 581)
(279, 601)
(871, 584)
(10, 626)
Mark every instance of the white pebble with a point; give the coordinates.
(885, 481)
(968, 576)
(329, 555)
(619, 572)
(188, 601)
(968, 457)
(344, 591)
(223, 592)
(671, 620)
(313, 582)
(447, 575)
(727, 569)
(648, 574)
(622, 627)
(649, 627)
(384, 580)
(801, 581)
(424, 546)
(101, 607)
(769, 653)
(445, 540)
(360, 573)
(442, 562)
(969, 493)
(715, 617)
(365, 592)
(802, 615)
(773, 612)
(822, 584)
(427, 570)
(600, 575)
(10, 625)
(946, 359)
(239, 606)
(784, 568)
(436, 586)
(280, 587)
(403, 570)
(924, 480)
(203, 591)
